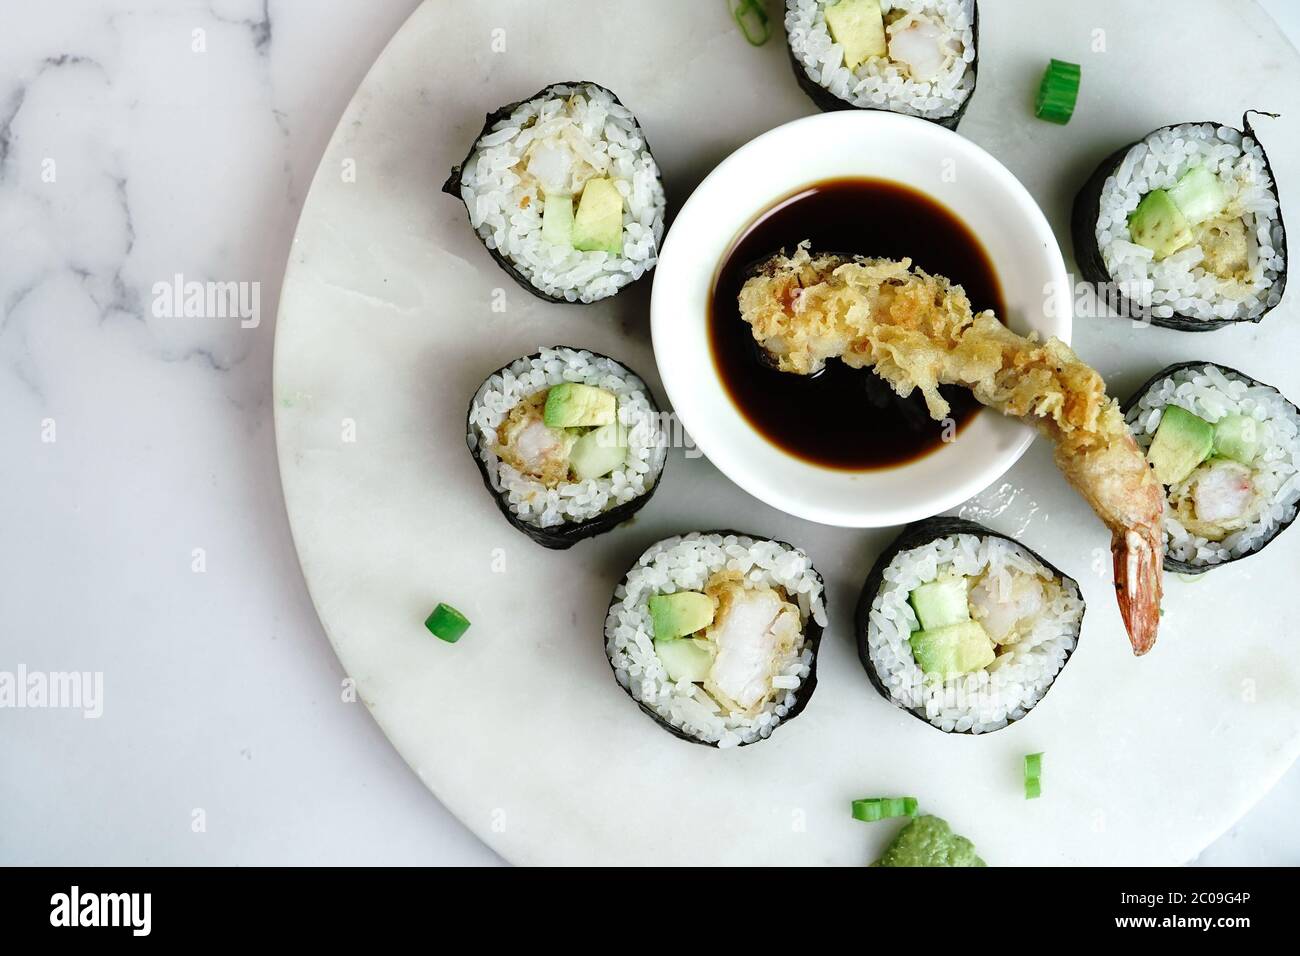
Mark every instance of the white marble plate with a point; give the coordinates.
(386, 326)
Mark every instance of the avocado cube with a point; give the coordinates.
(1182, 442)
(1159, 225)
(955, 649)
(859, 27)
(598, 224)
(573, 405)
(680, 613)
(685, 659)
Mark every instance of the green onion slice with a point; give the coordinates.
(1033, 776)
(871, 809)
(752, 20)
(1058, 92)
(446, 623)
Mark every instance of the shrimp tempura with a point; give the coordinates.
(917, 331)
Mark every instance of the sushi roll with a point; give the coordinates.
(1184, 229)
(562, 190)
(1226, 448)
(917, 57)
(963, 627)
(568, 442)
(715, 634)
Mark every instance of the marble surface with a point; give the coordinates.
(139, 141)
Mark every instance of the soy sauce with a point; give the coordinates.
(845, 418)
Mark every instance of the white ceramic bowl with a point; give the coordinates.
(952, 170)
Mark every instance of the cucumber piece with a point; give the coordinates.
(687, 659)
(557, 219)
(1198, 195)
(1237, 437)
(941, 602)
(599, 452)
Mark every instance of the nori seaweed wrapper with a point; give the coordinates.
(916, 535)
(828, 102)
(452, 186)
(1092, 266)
(1173, 564)
(812, 639)
(568, 534)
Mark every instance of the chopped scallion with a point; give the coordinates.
(1058, 92)
(871, 809)
(751, 17)
(1033, 776)
(446, 623)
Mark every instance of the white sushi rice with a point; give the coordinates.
(507, 214)
(1178, 283)
(1009, 687)
(686, 564)
(878, 83)
(1210, 394)
(575, 501)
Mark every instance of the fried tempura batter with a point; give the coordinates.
(916, 331)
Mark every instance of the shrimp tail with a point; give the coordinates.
(1139, 556)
